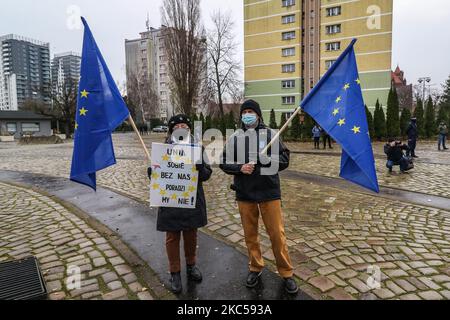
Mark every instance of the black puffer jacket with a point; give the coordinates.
(179, 219)
(395, 153)
(412, 131)
(255, 187)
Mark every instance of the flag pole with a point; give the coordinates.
(286, 125)
(140, 138)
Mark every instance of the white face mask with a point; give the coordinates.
(181, 136)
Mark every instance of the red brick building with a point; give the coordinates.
(404, 90)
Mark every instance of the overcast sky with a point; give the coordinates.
(421, 29)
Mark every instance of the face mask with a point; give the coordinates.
(181, 136)
(249, 119)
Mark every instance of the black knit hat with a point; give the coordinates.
(252, 105)
(181, 118)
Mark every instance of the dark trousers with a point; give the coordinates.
(403, 163)
(316, 143)
(173, 248)
(412, 148)
(326, 139)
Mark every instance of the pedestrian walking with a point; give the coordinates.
(443, 132)
(316, 132)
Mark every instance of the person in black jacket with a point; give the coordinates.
(177, 221)
(413, 135)
(395, 156)
(257, 187)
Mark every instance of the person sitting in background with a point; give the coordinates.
(316, 132)
(395, 156)
(443, 132)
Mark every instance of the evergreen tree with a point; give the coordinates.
(208, 123)
(445, 100)
(379, 122)
(370, 122)
(419, 114)
(392, 114)
(306, 128)
(273, 121)
(404, 121)
(442, 115)
(430, 119)
(285, 133)
(296, 130)
(231, 123)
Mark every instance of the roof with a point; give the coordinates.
(22, 115)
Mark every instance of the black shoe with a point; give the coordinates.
(253, 279)
(175, 283)
(290, 285)
(194, 274)
(415, 156)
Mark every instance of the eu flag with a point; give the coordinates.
(336, 104)
(100, 110)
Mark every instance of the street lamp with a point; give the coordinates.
(423, 81)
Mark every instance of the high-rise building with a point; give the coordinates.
(146, 61)
(24, 71)
(65, 70)
(290, 44)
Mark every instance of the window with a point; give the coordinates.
(335, 28)
(11, 127)
(334, 11)
(333, 46)
(288, 35)
(288, 3)
(288, 19)
(288, 100)
(329, 63)
(286, 68)
(287, 52)
(288, 84)
(31, 127)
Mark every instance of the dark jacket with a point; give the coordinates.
(395, 153)
(255, 187)
(412, 131)
(179, 219)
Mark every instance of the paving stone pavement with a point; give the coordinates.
(34, 224)
(335, 236)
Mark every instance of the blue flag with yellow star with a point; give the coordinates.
(336, 104)
(100, 110)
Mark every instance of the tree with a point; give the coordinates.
(430, 119)
(223, 66)
(185, 43)
(392, 114)
(208, 123)
(379, 122)
(442, 115)
(273, 121)
(231, 122)
(404, 121)
(285, 133)
(419, 114)
(142, 97)
(296, 127)
(445, 100)
(370, 122)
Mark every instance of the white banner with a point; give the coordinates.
(174, 176)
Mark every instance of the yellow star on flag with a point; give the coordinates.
(356, 129)
(163, 192)
(165, 157)
(347, 86)
(336, 112)
(358, 81)
(338, 99)
(191, 188)
(155, 186)
(155, 176)
(84, 94)
(76, 126)
(83, 112)
(341, 122)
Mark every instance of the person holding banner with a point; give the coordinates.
(258, 192)
(177, 222)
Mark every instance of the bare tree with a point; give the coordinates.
(222, 61)
(184, 38)
(142, 97)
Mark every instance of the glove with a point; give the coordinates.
(149, 172)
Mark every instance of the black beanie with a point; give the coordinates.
(252, 105)
(181, 118)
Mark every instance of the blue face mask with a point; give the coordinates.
(249, 119)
